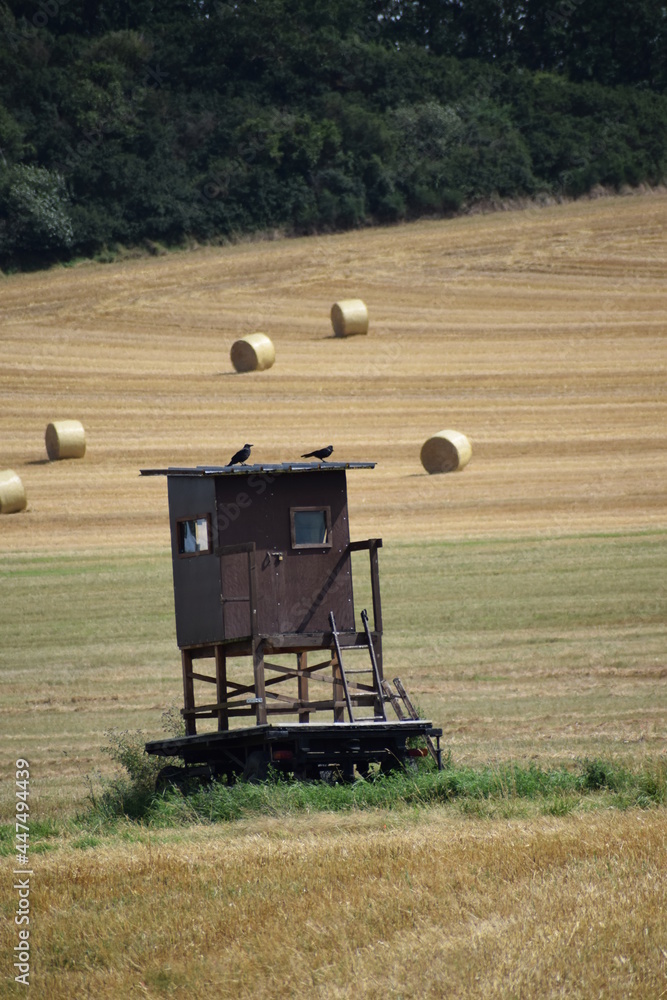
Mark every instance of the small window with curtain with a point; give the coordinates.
(311, 527)
(194, 536)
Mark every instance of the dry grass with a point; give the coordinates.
(519, 626)
(540, 335)
(372, 906)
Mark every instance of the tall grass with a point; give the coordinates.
(509, 789)
(556, 790)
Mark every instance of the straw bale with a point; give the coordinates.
(349, 317)
(446, 451)
(12, 492)
(253, 353)
(65, 439)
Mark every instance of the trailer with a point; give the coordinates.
(268, 633)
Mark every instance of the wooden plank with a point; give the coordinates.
(258, 674)
(228, 706)
(202, 677)
(366, 544)
(296, 642)
(325, 664)
(239, 688)
(206, 713)
(221, 687)
(280, 709)
(233, 647)
(362, 696)
(298, 671)
(283, 698)
(280, 668)
(395, 703)
(188, 694)
(303, 675)
(321, 706)
(375, 588)
(273, 681)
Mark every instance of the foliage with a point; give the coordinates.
(171, 121)
(556, 790)
(36, 212)
(131, 792)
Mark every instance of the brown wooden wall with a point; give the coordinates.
(296, 587)
(196, 577)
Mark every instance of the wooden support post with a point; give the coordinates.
(188, 693)
(302, 684)
(221, 687)
(258, 673)
(377, 606)
(375, 586)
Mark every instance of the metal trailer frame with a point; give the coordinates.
(307, 752)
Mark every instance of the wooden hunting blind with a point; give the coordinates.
(262, 566)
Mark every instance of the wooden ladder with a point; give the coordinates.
(410, 709)
(373, 670)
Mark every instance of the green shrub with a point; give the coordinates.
(38, 219)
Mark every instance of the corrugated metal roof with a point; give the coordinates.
(268, 468)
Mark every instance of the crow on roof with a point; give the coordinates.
(321, 453)
(241, 456)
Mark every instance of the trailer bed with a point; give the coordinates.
(304, 750)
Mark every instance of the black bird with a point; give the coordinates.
(242, 455)
(321, 453)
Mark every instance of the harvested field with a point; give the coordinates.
(524, 597)
(539, 334)
(366, 906)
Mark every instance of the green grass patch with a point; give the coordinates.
(478, 791)
(41, 832)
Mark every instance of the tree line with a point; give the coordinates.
(152, 123)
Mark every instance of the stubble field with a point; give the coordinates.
(525, 597)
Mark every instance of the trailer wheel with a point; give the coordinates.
(171, 776)
(256, 767)
(393, 764)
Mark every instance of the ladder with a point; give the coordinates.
(373, 670)
(410, 708)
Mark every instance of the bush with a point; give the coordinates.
(130, 793)
(37, 211)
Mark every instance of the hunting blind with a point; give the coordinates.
(262, 566)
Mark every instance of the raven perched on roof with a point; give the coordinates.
(242, 455)
(322, 453)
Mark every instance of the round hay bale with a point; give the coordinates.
(12, 493)
(349, 317)
(65, 439)
(447, 451)
(253, 353)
